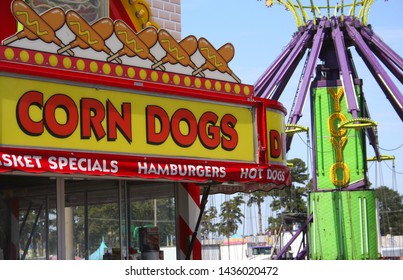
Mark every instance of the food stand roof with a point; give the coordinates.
(138, 105)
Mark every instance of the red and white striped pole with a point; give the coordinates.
(188, 206)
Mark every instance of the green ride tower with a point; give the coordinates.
(342, 221)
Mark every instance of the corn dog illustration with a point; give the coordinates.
(173, 49)
(216, 59)
(188, 44)
(54, 17)
(135, 44)
(90, 36)
(226, 51)
(102, 26)
(37, 26)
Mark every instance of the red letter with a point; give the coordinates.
(92, 115)
(184, 140)
(275, 144)
(153, 113)
(229, 140)
(30, 127)
(117, 121)
(209, 133)
(53, 126)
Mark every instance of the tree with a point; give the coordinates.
(230, 216)
(390, 211)
(258, 198)
(291, 200)
(207, 224)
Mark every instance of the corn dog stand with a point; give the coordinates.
(108, 129)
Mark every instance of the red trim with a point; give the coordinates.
(271, 104)
(7, 21)
(136, 166)
(117, 11)
(261, 134)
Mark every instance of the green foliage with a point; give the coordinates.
(290, 202)
(208, 225)
(390, 211)
(231, 214)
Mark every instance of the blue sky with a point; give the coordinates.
(259, 34)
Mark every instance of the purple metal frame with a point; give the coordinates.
(271, 83)
(304, 251)
(333, 35)
(344, 66)
(384, 81)
(269, 87)
(269, 73)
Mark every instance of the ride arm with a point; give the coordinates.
(268, 75)
(345, 71)
(300, 47)
(385, 82)
(303, 92)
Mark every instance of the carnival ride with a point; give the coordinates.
(342, 218)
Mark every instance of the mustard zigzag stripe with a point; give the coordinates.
(131, 42)
(175, 49)
(85, 32)
(31, 23)
(211, 56)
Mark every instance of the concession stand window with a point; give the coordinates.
(101, 217)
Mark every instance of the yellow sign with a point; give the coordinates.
(60, 116)
(275, 136)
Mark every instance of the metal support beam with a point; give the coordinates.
(268, 75)
(300, 48)
(61, 220)
(302, 94)
(300, 230)
(386, 61)
(303, 91)
(369, 35)
(391, 91)
(345, 71)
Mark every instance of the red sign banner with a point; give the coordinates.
(65, 162)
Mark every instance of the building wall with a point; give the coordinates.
(167, 13)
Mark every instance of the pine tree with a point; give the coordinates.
(231, 214)
(290, 201)
(390, 211)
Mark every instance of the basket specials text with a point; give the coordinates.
(96, 119)
(122, 166)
